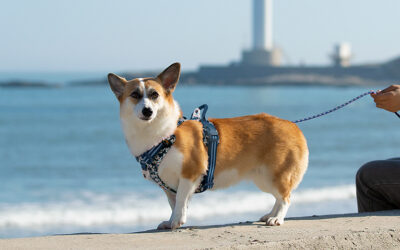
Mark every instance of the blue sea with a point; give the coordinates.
(65, 168)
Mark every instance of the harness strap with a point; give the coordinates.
(151, 159)
(211, 140)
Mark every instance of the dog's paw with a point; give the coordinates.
(177, 224)
(265, 218)
(164, 225)
(274, 221)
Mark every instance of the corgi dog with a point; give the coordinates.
(267, 150)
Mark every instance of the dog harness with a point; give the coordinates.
(151, 159)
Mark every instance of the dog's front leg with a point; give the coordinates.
(178, 217)
(171, 199)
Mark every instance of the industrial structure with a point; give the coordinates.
(261, 64)
(342, 55)
(263, 51)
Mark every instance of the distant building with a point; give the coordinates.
(263, 52)
(342, 55)
(261, 64)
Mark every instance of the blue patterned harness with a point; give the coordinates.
(151, 159)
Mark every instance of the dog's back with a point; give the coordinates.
(248, 146)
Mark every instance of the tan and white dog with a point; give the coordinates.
(269, 151)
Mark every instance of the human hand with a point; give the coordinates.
(388, 99)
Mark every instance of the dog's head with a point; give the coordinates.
(146, 97)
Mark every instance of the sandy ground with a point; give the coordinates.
(379, 230)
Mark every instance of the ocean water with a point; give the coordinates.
(65, 168)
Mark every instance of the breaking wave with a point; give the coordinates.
(132, 212)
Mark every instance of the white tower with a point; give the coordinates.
(262, 25)
(342, 54)
(262, 52)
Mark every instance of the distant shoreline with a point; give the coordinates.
(289, 80)
(28, 84)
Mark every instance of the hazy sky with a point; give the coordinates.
(100, 35)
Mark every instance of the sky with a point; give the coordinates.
(137, 35)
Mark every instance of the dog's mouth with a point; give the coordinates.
(145, 118)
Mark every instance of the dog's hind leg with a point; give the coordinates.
(270, 214)
(186, 188)
(265, 181)
(283, 180)
(277, 215)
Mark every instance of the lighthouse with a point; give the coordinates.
(262, 52)
(262, 24)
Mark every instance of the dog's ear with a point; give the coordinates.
(117, 84)
(170, 77)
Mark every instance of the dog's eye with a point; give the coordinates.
(154, 95)
(136, 95)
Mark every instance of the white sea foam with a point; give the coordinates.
(130, 212)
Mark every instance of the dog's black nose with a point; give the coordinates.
(147, 112)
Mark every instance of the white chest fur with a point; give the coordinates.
(171, 167)
(141, 136)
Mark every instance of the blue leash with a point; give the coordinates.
(337, 108)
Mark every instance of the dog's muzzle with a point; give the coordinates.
(147, 112)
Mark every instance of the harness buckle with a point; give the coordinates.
(196, 115)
